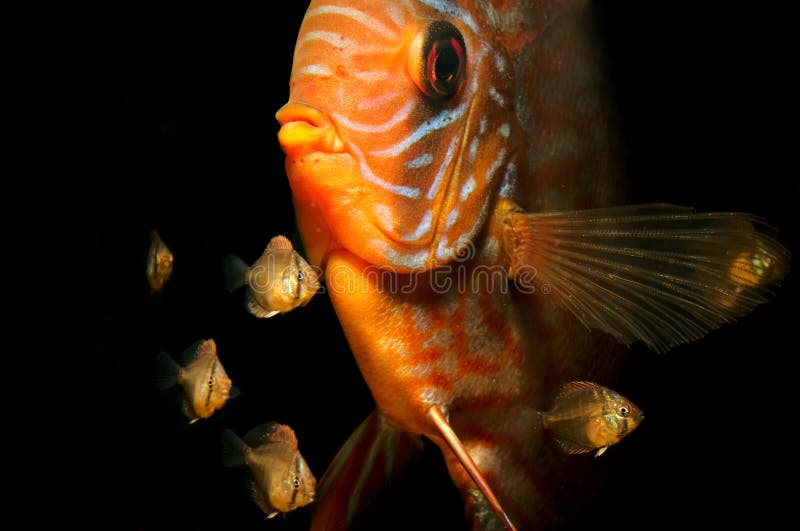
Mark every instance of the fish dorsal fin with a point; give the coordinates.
(256, 309)
(658, 273)
(577, 386)
(278, 243)
(271, 432)
(198, 350)
(374, 455)
(569, 447)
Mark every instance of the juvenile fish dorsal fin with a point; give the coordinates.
(436, 414)
(570, 388)
(374, 455)
(271, 432)
(659, 273)
(280, 242)
(198, 350)
(569, 447)
(256, 309)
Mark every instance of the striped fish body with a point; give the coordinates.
(412, 128)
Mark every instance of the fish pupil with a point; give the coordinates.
(442, 60)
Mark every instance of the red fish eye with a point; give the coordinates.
(437, 60)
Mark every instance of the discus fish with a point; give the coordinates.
(281, 479)
(205, 383)
(279, 281)
(159, 263)
(586, 416)
(455, 168)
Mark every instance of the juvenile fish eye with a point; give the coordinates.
(296, 482)
(623, 411)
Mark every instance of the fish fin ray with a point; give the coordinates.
(658, 273)
(233, 449)
(189, 411)
(235, 272)
(436, 414)
(374, 455)
(601, 451)
(270, 432)
(167, 371)
(576, 386)
(198, 350)
(256, 309)
(279, 242)
(569, 447)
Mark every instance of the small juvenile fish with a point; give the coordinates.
(279, 281)
(205, 383)
(586, 416)
(159, 263)
(281, 479)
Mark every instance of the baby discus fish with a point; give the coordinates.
(281, 479)
(159, 263)
(203, 378)
(279, 281)
(586, 416)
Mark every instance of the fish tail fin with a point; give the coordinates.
(167, 371)
(374, 455)
(659, 273)
(233, 449)
(235, 272)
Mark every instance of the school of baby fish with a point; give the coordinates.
(411, 151)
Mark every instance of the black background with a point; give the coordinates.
(170, 122)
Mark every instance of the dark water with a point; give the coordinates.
(174, 112)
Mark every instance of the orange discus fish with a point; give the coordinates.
(453, 165)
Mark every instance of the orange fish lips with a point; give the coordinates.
(306, 129)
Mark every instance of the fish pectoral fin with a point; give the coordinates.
(659, 273)
(256, 309)
(569, 447)
(601, 451)
(436, 414)
(374, 455)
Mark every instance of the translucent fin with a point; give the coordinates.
(601, 451)
(269, 433)
(256, 309)
(373, 456)
(235, 272)
(279, 243)
(570, 388)
(659, 273)
(261, 500)
(198, 350)
(167, 371)
(569, 447)
(234, 392)
(189, 411)
(233, 449)
(437, 416)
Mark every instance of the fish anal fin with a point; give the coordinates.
(662, 274)
(280, 242)
(569, 447)
(373, 456)
(439, 419)
(256, 309)
(269, 433)
(261, 500)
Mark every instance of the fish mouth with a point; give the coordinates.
(306, 129)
